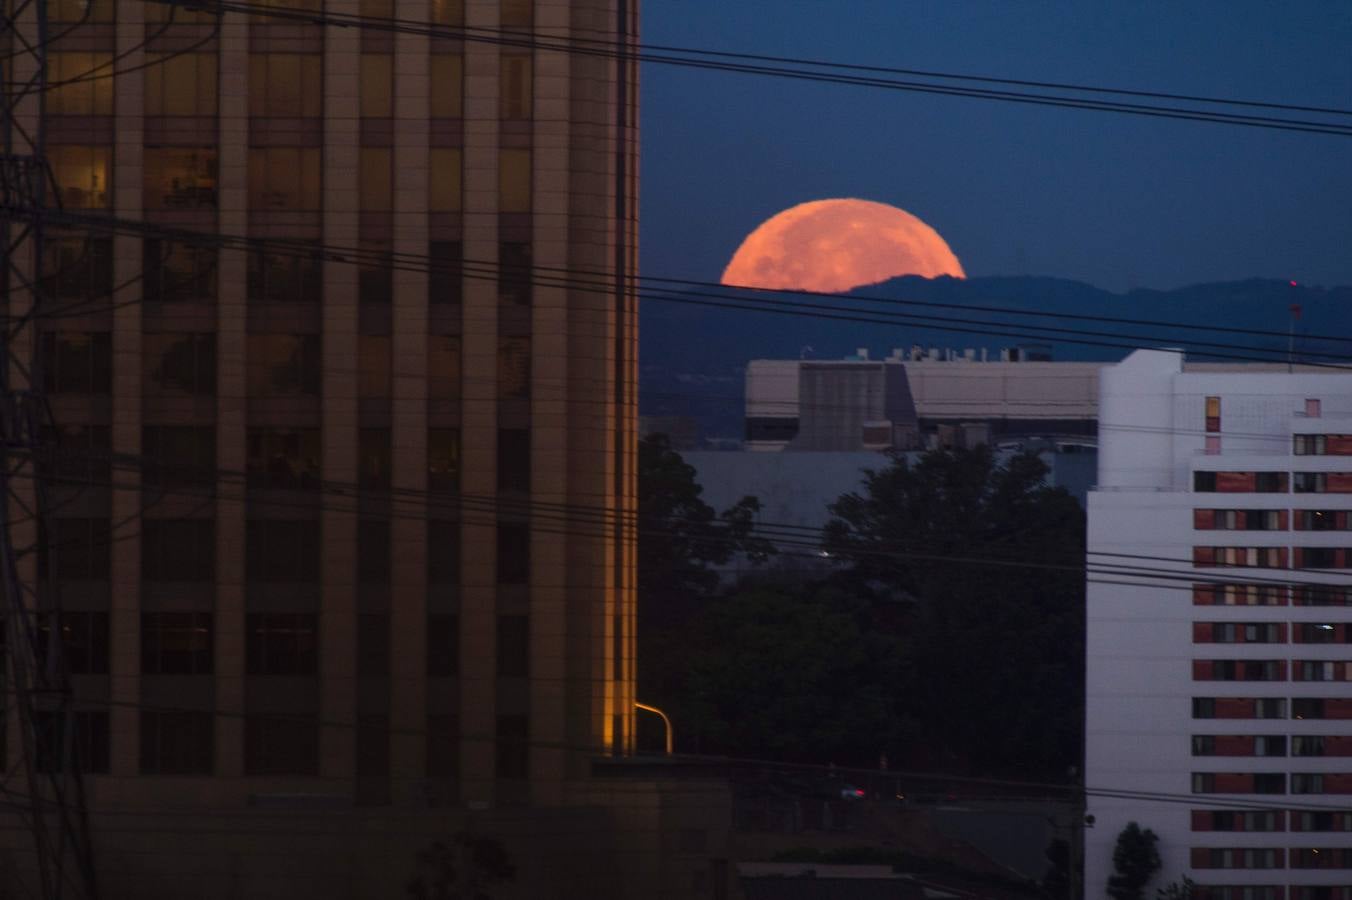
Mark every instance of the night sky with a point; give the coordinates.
(1116, 201)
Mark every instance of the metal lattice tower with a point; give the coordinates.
(41, 783)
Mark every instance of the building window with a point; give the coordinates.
(513, 368)
(179, 178)
(286, 85)
(84, 732)
(1238, 632)
(1231, 820)
(1322, 520)
(443, 746)
(513, 747)
(1319, 633)
(179, 364)
(376, 186)
(513, 553)
(78, 454)
(1322, 595)
(1213, 414)
(82, 175)
(178, 455)
(281, 745)
(1307, 783)
(1312, 408)
(514, 180)
(1307, 745)
(80, 11)
(284, 364)
(177, 743)
(1321, 670)
(513, 646)
(1323, 482)
(180, 84)
(373, 366)
(282, 643)
(283, 459)
(1238, 708)
(514, 86)
(177, 643)
(74, 85)
(444, 272)
(83, 637)
(513, 459)
(443, 552)
(1238, 595)
(373, 551)
(1308, 444)
(1321, 857)
(78, 268)
(375, 276)
(518, 13)
(1239, 669)
(373, 458)
(74, 549)
(446, 12)
(375, 99)
(1321, 821)
(1239, 519)
(285, 178)
(447, 86)
(1320, 557)
(516, 274)
(281, 550)
(285, 277)
(373, 746)
(1213, 445)
(443, 644)
(174, 271)
(373, 645)
(444, 174)
(77, 362)
(443, 459)
(443, 367)
(178, 550)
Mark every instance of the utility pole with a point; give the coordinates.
(42, 785)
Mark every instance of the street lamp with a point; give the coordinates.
(666, 721)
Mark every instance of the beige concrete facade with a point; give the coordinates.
(447, 735)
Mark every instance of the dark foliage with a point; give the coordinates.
(976, 567)
(465, 869)
(1136, 859)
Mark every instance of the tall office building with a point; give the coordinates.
(1218, 689)
(372, 555)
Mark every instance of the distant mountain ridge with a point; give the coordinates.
(692, 356)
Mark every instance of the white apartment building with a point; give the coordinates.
(1219, 668)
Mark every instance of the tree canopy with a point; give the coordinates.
(976, 566)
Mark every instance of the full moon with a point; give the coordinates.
(830, 246)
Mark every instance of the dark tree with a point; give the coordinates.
(1176, 890)
(977, 567)
(1056, 880)
(680, 542)
(465, 869)
(788, 672)
(680, 536)
(1136, 859)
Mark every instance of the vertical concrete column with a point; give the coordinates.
(125, 614)
(592, 408)
(337, 620)
(549, 404)
(408, 612)
(232, 389)
(478, 715)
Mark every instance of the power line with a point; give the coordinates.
(804, 70)
(593, 281)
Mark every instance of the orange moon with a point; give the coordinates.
(837, 245)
